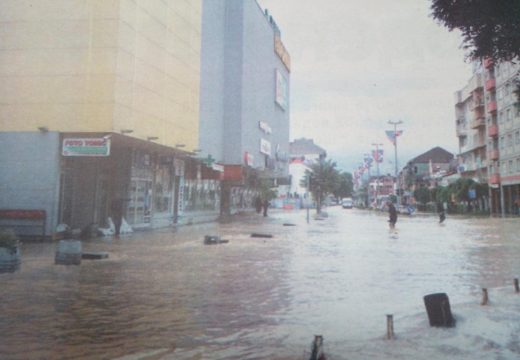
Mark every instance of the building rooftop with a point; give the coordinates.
(305, 147)
(435, 155)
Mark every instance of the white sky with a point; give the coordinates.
(358, 63)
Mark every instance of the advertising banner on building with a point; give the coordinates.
(249, 159)
(282, 91)
(86, 147)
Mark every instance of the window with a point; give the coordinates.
(510, 167)
(502, 145)
(500, 117)
(518, 165)
(517, 137)
(509, 140)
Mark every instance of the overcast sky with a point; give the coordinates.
(358, 64)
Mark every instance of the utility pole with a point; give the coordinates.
(369, 164)
(377, 168)
(395, 123)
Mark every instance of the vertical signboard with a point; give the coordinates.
(281, 91)
(265, 147)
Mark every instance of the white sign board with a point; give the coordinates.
(265, 147)
(86, 147)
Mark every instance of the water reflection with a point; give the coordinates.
(251, 298)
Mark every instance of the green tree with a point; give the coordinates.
(345, 185)
(322, 179)
(422, 195)
(266, 189)
(490, 28)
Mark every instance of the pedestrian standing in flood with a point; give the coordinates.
(265, 205)
(441, 212)
(117, 214)
(392, 215)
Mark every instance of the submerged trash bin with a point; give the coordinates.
(438, 309)
(68, 253)
(9, 259)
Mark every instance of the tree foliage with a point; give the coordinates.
(345, 185)
(422, 195)
(323, 179)
(490, 28)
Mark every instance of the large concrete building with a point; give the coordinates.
(471, 128)
(488, 127)
(244, 114)
(503, 108)
(100, 99)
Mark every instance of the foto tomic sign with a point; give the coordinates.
(86, 147)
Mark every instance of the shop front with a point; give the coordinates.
(148, 179)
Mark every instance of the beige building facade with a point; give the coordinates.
(103, 96)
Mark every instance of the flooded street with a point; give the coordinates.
(165, 293)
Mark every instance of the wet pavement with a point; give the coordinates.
(164, 294)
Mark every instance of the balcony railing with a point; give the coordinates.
(478, 121)
(490, 84)
(493, 130)
(461, 131)
(492, 106)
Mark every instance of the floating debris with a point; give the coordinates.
(214, 240)
(94, 255)
(260, 235)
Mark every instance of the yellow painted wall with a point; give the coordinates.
(101, 65)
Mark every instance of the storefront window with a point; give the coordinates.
(163, 190)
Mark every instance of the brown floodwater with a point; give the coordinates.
(164, 294)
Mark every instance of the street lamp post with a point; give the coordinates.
(395, 123)
(377, 168)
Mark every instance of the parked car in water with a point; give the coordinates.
(347, 203)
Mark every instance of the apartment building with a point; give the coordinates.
(100, 101)
(471, 128)
(488, 128)
(244, 114)
(504, 133)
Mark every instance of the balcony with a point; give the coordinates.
(493, 130)
(494, 179)
(493, 154)
(490, 84)
(461, 131)
(488, 63)
(478, 121)
(492, 106)
(477, 104)
(458, 97)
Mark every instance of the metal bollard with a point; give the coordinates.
(517, 289)
(485, 297)
(389, 326)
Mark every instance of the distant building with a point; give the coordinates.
(427, 169)
(380, 188)
(303, 153)
(244, 113)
